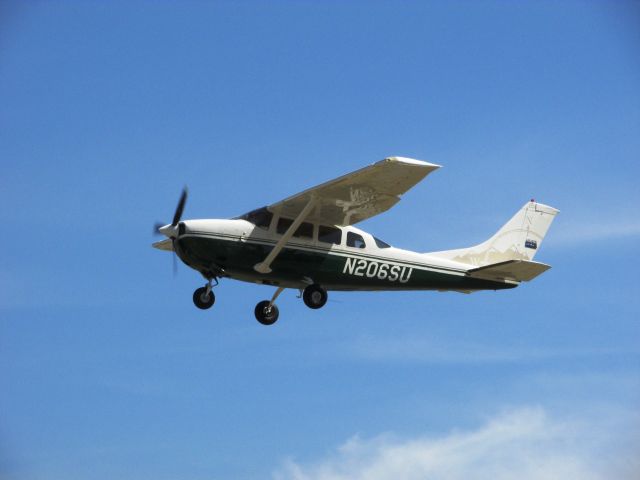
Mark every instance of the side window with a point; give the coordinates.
(380, 243)
(283, 225)
(329, 234)
(305, 230)
(355, 240)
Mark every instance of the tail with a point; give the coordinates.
(519, 239)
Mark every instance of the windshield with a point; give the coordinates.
(260, 217)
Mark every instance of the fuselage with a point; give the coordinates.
(338, 258)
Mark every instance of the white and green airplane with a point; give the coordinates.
(308, 242)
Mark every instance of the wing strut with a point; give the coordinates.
(265, 265)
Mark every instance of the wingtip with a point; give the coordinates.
(412, 161)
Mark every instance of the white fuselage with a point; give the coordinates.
(357, 254)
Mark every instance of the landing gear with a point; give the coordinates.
(266, 312)
(314, 296)
(203, 297)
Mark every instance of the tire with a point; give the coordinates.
(314, 296)
(266, 317)
(201, 300)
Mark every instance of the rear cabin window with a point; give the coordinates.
(380, 243)
(260, 217)
(329, 234)
(355, 240)
(305, 230)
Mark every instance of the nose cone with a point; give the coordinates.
(168, 231)
(173, 231)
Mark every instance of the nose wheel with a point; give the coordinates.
(203, 297)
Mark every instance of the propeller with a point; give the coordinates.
(171, 231)
(180, 207)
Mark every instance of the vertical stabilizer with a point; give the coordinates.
(519, 239)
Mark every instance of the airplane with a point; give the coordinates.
(308, 242)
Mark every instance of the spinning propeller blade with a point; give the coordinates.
(175, 262)
(156, 227)
(176, 216)
(180, 207)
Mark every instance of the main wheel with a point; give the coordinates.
(314, 296)
(266, 315)
(202, 300)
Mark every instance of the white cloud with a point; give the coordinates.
(524, 444)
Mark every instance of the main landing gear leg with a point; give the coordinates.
(266, 311)
(203, 297)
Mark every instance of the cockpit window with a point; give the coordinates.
(305, 230)
(355, 240)
(329, 234)
(260, 217)
(380, 243)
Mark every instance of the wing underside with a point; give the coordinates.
(358, 195)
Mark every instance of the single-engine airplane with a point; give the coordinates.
(309, 242)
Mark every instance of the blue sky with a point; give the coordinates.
(109, 108)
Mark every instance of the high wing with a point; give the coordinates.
(358, 195)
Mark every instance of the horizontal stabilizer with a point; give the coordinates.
(165, 244)
(515, 270)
